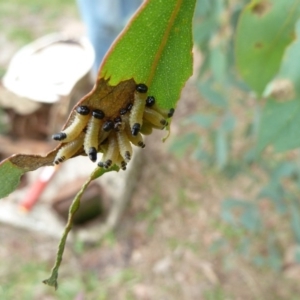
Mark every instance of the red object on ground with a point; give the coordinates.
(34, 193)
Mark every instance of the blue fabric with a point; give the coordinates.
(104, 20)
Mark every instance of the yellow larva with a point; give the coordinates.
(136, 113)
(79, 123)
(166, 113)
(105, 131)
(68, 150)
(154, 118)
(111, 154)
(124, 145)
(91, 140)
(121, 163)
(136, 140)
(119, 124)
(112, 134)
(150, 102)
(146, 128)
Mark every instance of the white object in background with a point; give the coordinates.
(49, 67)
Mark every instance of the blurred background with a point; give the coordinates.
(207, 220)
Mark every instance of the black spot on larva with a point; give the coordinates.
(93, 154)
(83, 110)
(150, 101)
(59, 160)
(118, 120)
(123, 111)
(129, 106)
(141, 144)
(135, 129)
(98, 114)
(118, 123)
(100, 164)
(123, 165)
(171, 113)
(141, 88)
(108, 125)
(59, 136)
(127, 155)
(108, 163)
(163, 122)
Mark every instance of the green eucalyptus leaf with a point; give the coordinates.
(275, 193)
(202, 120)
(264, 30)
(221, 146)
(218, 64)
(212, 93)
(12, 168)
(295, 222)
(156, 49)
(274, 258)
(181, 144)
(286, 85)
(10, 176)
(279, 126)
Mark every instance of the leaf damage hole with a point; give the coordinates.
(258, 45)
(262, 8)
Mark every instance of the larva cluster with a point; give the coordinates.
(94, 130)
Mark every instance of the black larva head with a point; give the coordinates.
(59, 160)
(59, 136)
(150, 101)
(93, 154)
(123, 165)
(171, 113)
(108, 163)
(127, 155)
(118, 120)
(118, 123)
(141, 88)
(141, 144)
(83, 110)
(135, 129)
(123, 111)
(129, 106)
(108, 125)
(163, 122)
(98, 114)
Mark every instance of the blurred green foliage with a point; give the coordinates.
(249, 77)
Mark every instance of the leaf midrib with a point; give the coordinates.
(164, 42)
